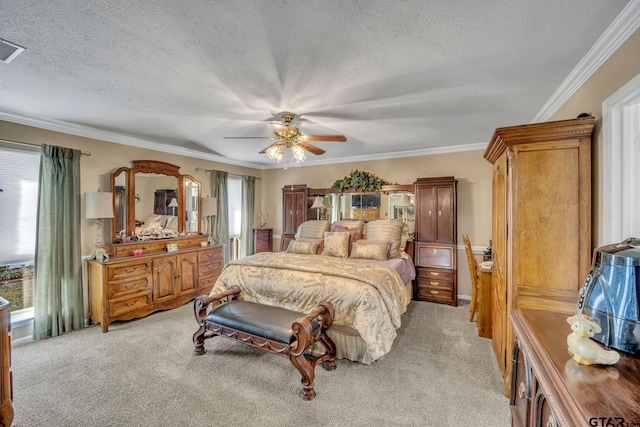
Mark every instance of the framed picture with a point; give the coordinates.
(172, 247)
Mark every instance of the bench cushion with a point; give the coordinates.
(265, 321)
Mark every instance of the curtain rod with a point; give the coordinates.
(231, 174)
(84, 153)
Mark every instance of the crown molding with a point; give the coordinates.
(383, 156)
(117, 138)
(625, 24)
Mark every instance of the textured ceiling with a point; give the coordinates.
(392, 75)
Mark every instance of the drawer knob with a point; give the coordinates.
(435, 283)
(435, 292)
(434, 273)
(521, 391)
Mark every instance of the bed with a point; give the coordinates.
(370, 288)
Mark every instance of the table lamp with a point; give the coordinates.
(173, 204)
(99, 206)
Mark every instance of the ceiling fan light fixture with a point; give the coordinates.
(298, 153)
(275, 152)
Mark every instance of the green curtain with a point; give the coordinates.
(58, 297)
(218, 182)
(248, 201)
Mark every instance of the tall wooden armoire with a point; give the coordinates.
(541, 222)
(435, 246)
(294, 212)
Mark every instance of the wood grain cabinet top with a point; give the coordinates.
(561, 390)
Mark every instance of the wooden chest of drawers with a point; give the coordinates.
(130, 287)
(435, 273)
(262, 240)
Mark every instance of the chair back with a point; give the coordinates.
(473, 264)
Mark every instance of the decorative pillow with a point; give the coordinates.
(320, 243)
(387, 230)
(303, 247)
(336, 244)
(403, 242)
(152, 218)
(370, 249)
(354, 233)
(172, 223)
(349, 223)
(313, 229)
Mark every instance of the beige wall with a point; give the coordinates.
(621, 67)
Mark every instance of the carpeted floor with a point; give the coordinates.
(142, 373)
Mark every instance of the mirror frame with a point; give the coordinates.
(158, 167)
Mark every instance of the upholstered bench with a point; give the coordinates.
(274, 329)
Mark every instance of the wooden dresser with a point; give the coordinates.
(541, 222)
(6, 375)
(435, 246)
(263, 240)
(551, 389)
(128, 287)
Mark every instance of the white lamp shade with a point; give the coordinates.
(209, 206)
(173, 203)
(317, 203)
(98, 205)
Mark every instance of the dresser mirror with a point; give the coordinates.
(192, 204)
(153, 200)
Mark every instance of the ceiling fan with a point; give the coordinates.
(288, 136)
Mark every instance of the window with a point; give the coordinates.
(621, 156)
(234, 198)
(19, 174)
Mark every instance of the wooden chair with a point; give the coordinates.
(475, 280)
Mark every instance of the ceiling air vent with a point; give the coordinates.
(8, 51)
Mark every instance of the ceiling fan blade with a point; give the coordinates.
(285, 131)
(327, 138)
(310, 148)
(249, 137)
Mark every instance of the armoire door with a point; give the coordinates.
(444, 214)
(436, 213)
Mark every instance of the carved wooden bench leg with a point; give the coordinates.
(308, 373)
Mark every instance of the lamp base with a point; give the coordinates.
(100, 255)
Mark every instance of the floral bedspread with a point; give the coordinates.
(366, 297)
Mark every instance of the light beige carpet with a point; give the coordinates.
(143, 373)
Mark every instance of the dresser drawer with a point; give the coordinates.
(137, 302)
(128, 287)
(430, 255)
(433, 295)
(431, 274)
(117, 271)
(438, 285)
(210, 269)
(213, 254)
(206, 283)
